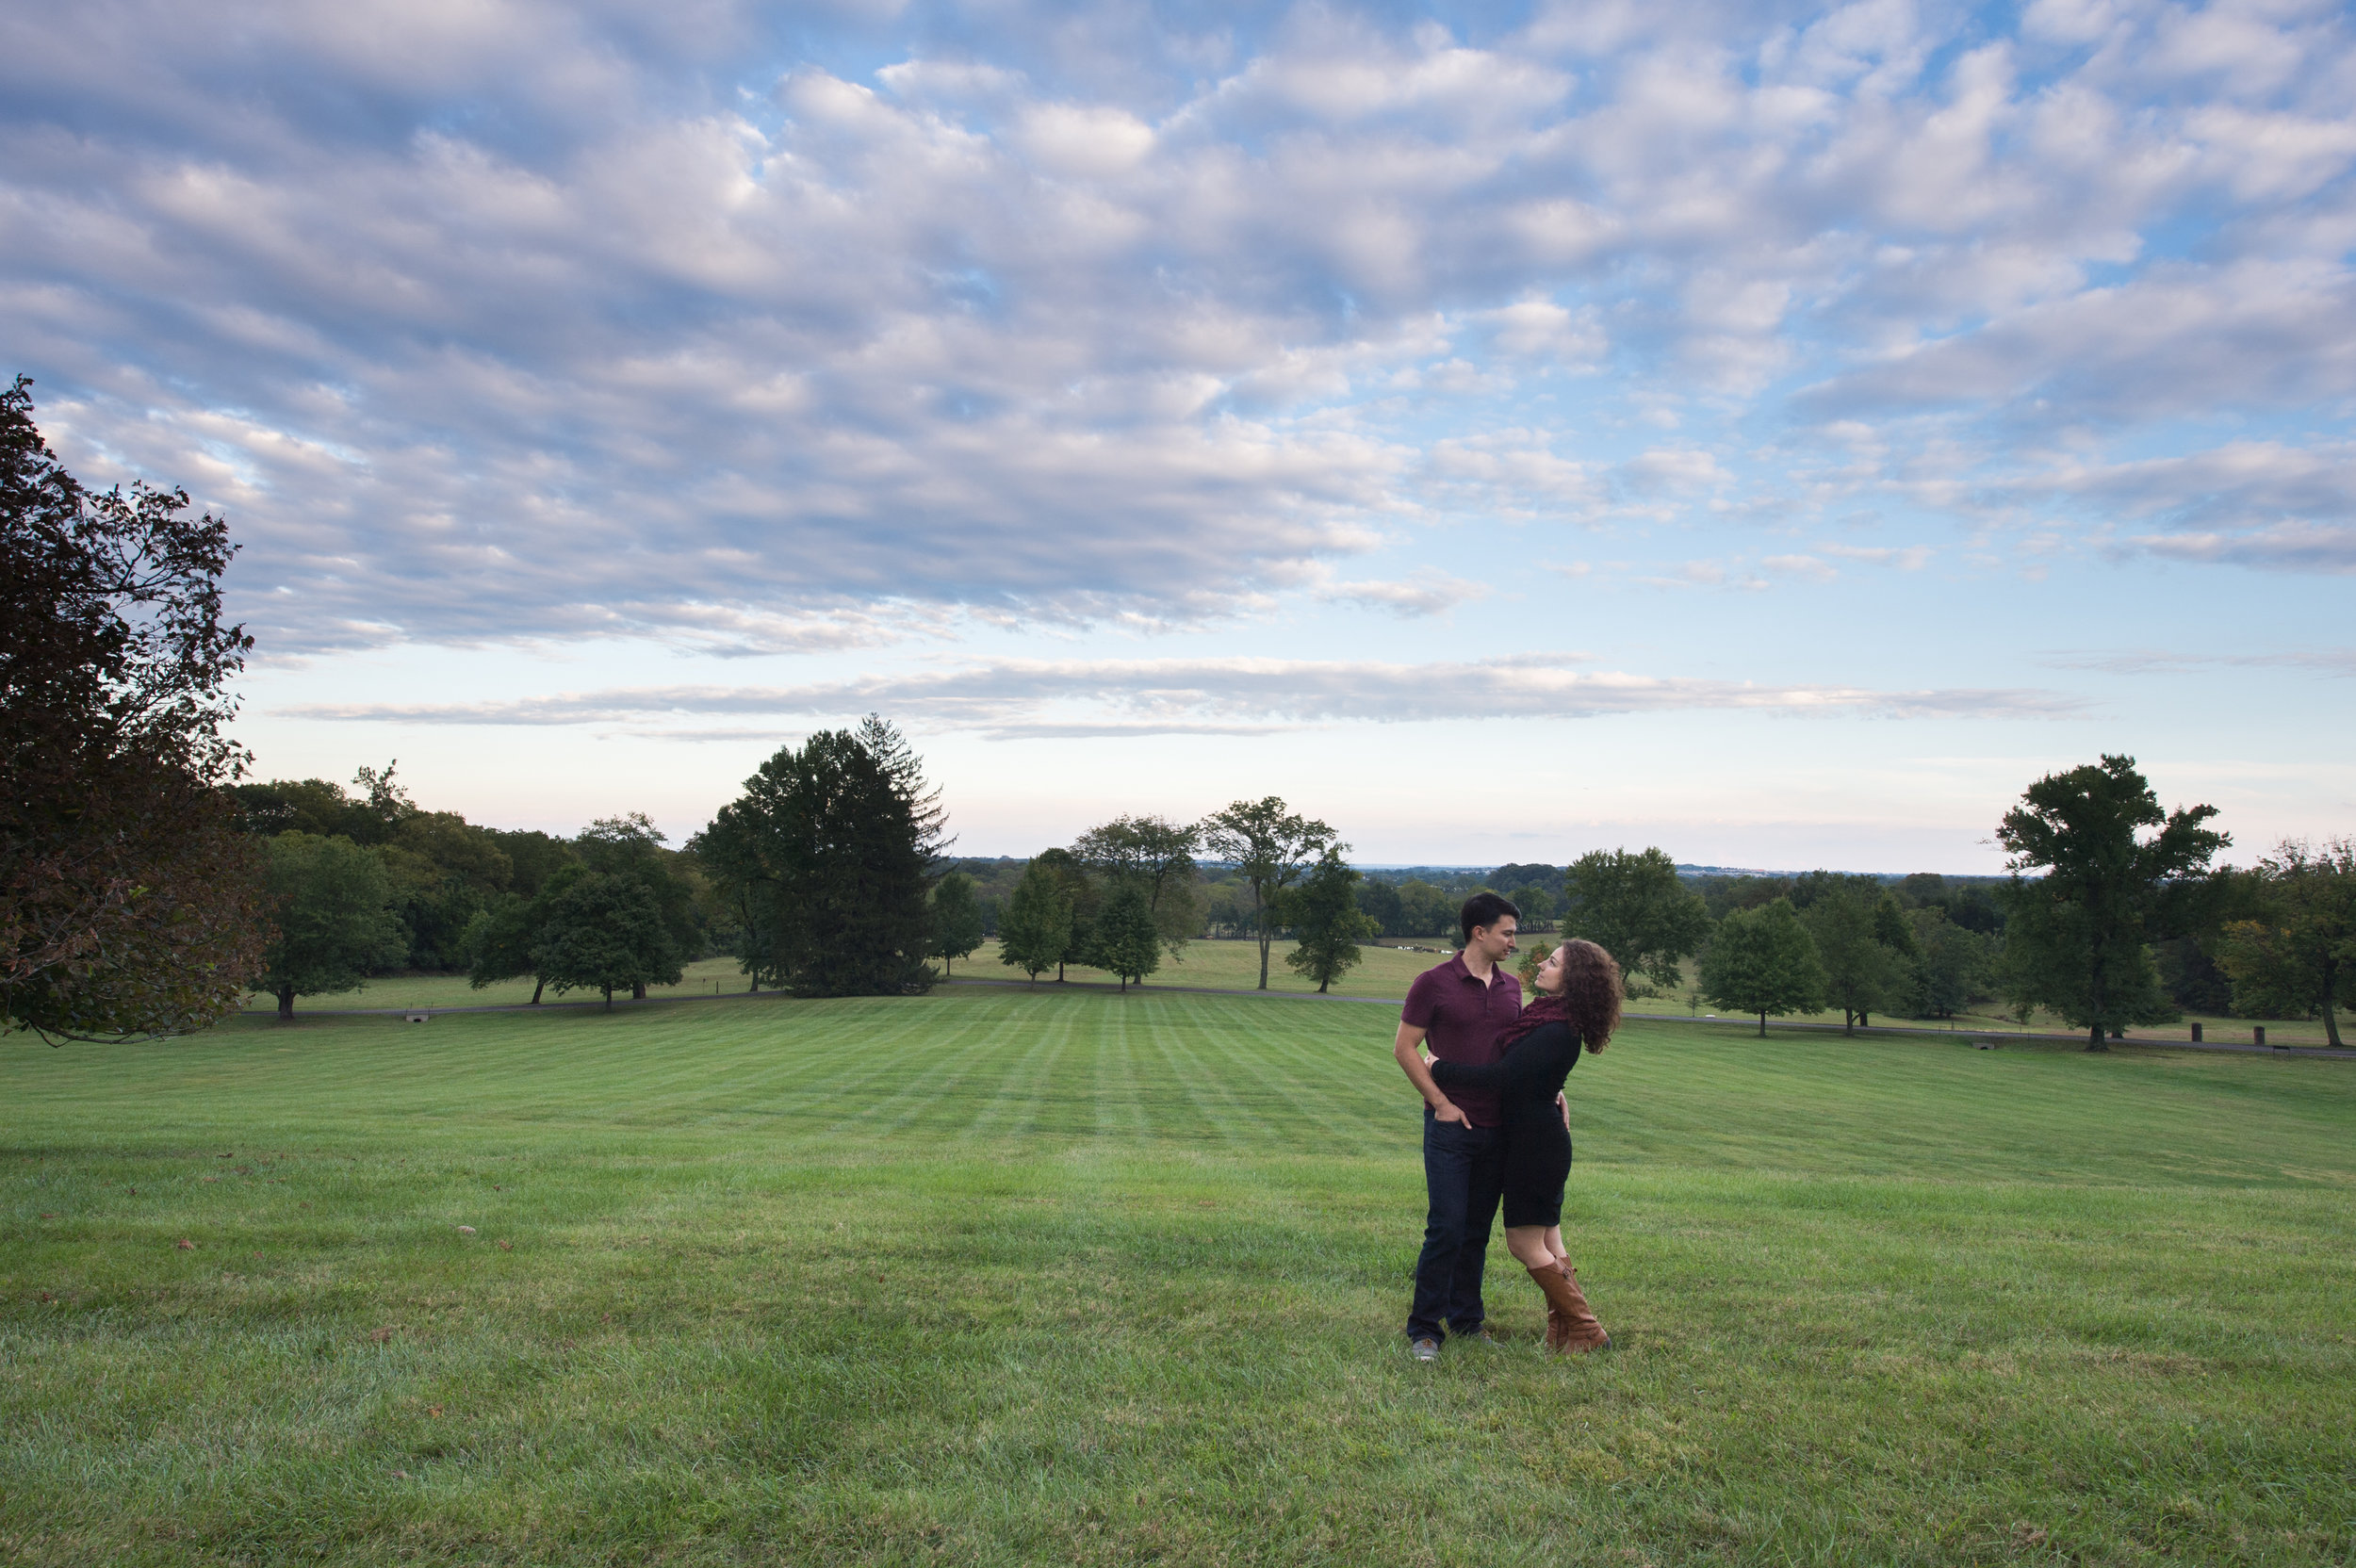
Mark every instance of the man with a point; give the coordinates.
(1457, 1009)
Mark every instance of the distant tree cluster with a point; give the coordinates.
(361, 883)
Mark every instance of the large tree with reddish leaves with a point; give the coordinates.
(130, 903)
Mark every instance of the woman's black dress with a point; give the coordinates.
(1537, 1145)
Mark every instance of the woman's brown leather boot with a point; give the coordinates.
(1571, 1328)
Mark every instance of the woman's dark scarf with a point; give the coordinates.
(1545, 1010)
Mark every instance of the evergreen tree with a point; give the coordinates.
(1036, 925)
(1128, 942)
(956, 919)
(1326, 921)
(331, 904)
(836, 841)
(1763, 961)
(2076, 938)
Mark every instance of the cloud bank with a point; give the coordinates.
(1019, 699)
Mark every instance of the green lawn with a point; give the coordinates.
(1006, 1277)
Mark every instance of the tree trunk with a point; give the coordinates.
(2094, 1038)
(1322, 984)
(609, 999)
(638, 990)
(2331, 1024)
(1864, 1020)
(1848, 1021)
(1763, 1026)
(1059, 971)
(286, 1003)
(754, 987)
(539, 984)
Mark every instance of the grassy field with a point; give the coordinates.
(1001, 1277)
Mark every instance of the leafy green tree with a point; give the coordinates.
(1082, 898)
(2076, 938)
(1536, 903)
(1326, 921)
(1763, 961)
(1128, 942)
(332, 905)
(1036, 924)
(502, 941)
(129, 899)
(631, 846)
(1865, 972)
(1635, 908)
(2299, 956)
(604, 930)
(1380, 903)
(445, 871)
(1425, 910)
(1157, 856)
(1952, 965)
(837, 839)
(956, 919)
(1272, 847)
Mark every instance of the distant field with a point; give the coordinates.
(1003, 1277)
(1386, 972)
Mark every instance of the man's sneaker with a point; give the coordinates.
(1424, 1349)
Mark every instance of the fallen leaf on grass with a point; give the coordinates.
(507, 1246)
(49, 1216)
(433, 1410)
(46, 1297)
(403, 1475)
(377, 1336)
(465, 1229)
(2028, 1535)
(185, 1245)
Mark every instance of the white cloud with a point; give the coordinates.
(1427, 591)
(1016, 699)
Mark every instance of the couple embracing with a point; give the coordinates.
(1495, 1124)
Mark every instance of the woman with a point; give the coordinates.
(1580, 1006)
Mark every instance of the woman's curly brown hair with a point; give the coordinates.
(1591, 991)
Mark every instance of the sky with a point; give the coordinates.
(1774, 433)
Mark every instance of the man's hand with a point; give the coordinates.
(1562, 1103)
(1447, 1110)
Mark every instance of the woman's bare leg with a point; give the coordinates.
(1554, 1242)
(1529, 1245)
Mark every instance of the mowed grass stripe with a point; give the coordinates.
(1009, 1277)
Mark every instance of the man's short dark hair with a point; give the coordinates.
(1485, 908)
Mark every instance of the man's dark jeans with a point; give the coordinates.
(1463, 1174)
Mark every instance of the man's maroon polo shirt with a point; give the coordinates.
(1462, 1018)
